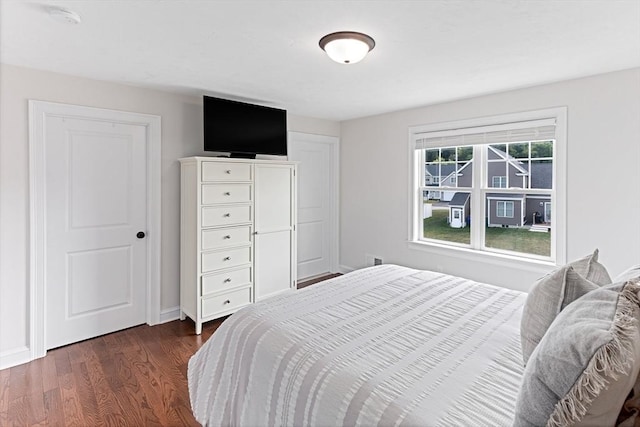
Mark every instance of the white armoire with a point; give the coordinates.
(238, 235)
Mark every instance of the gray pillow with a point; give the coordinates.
(589, 268)
(551, 294)
(587, 363)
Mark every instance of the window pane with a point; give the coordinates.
(499, 151)
(541, 173)
(516, 222)
(449, 218)
(519, 150)
(465, 173)
(432, 175)
(448, 154)
(542, 149)
(465, 154)
(432, 155)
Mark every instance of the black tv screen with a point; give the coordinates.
(242, 129)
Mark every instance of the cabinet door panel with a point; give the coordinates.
(273, 189)
(273, 263)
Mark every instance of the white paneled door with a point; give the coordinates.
(96, 266)
(315, 195)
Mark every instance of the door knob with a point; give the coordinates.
(140, 235)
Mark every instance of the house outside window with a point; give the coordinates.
(505, 209)
(503, 182)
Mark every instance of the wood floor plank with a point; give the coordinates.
(4, 396)
(49, 374)
(135, 377)
(19, 385)
(149, 378)
(72, 410)
(54, 413)
(86, 394)
(109, 410)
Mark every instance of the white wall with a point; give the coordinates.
(181, 136)
(603, 176)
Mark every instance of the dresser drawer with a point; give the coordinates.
(225, 193)
(224, 237)
(225, 215)
(225, 259)
(221, 281)
(227, 301)
(215, 171)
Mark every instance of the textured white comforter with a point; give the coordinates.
(384, 346)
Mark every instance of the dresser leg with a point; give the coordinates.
(198, 328)
(182, 315)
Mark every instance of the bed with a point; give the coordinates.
(385, 345)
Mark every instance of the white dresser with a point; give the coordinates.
(238, 237)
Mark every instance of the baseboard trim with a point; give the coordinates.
(344, 269)
(169, 314)
(15, 357)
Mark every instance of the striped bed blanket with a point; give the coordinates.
(385, 346)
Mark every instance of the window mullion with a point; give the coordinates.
(477, 202)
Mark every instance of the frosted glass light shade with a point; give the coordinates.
(347, 47)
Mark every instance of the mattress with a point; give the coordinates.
(385, 345)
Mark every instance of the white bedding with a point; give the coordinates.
(384, 346)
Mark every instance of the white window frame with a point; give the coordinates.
(477, 251)
(505, 210)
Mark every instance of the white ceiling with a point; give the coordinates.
(267, 51)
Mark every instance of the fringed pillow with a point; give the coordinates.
(552, 293)
(586, 365)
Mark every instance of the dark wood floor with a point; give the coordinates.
(135, 377)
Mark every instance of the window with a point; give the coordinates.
(499, 181)
(500, 178)
(504, 209)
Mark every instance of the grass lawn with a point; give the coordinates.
(511, 239)
(437, 227)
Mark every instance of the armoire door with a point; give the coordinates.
(274, 239)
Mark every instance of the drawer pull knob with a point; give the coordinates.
(227, 237)
(227, 302)
(227, 258)
(227, 215)
(227, 280)
(228, 171)
(226, 193)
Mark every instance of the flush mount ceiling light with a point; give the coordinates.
(347, 47)
(65, 16)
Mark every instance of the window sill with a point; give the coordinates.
(502, 260)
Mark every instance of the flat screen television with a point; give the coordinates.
(242, 129)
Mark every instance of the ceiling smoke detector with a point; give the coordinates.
(65, 16)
